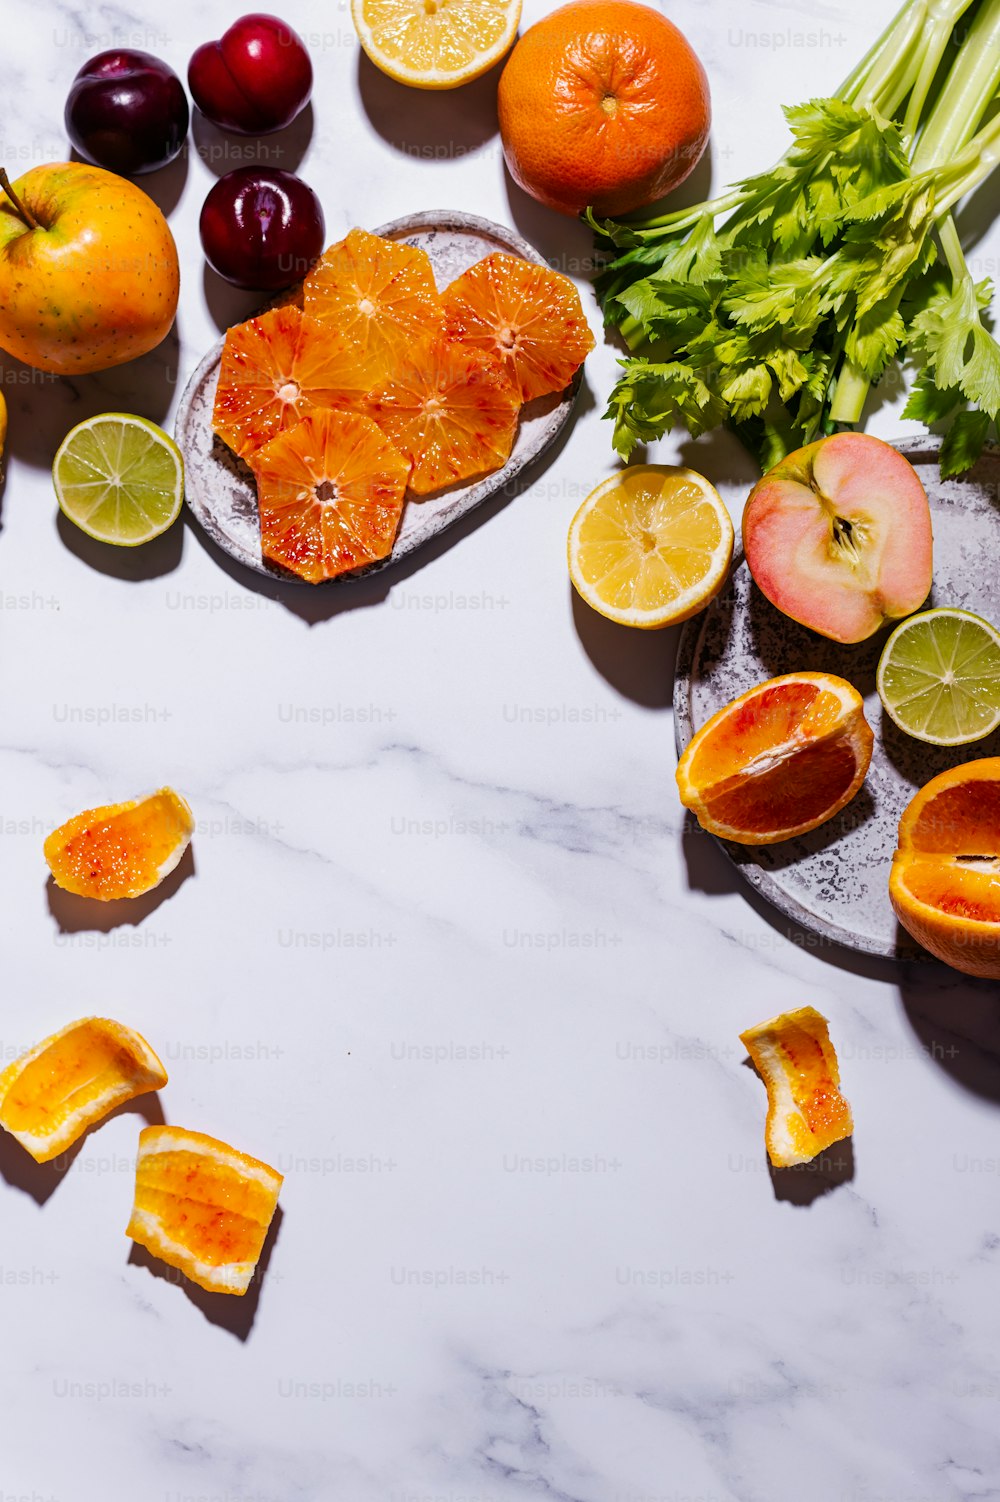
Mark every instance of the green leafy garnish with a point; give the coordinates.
(774, 309)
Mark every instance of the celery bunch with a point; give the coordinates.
(773, 309)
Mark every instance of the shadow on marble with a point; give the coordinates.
(45, 407)
(956, 1020)
(149, 561)
(436, 125)
(164, 186)
(227, 304)
(41, 1180)
(639, 664)
(75, 914)
(235, 1313)
(808, 1182)
(316, 603)
(566, 243)
(722, 458)
(709, 870)
(224, 151)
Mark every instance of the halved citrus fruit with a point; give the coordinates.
(778, 761)
(527, 316)
(939, 677)
(275, 370)
(452, 411)
(122, 849)
(379, 295)
(202, 1207)
(650, 546)
(331, 494)
(945, 879)
(797, 1062)
(435, 44)
(119, 478)
(54, 1092)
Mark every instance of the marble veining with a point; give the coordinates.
(447, 952)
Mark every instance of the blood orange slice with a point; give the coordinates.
(331, 493)
(451, 410)
(380, 295)
(275, 370)
(528, 316)
(778, 761)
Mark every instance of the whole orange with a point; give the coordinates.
(605, 103)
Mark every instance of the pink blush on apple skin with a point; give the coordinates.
(848, 551)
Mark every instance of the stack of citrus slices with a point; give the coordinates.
(368, 383)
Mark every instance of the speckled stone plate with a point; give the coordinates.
(220, 489)
(834, 881)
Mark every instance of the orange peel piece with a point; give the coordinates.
(797, 1062)
(69, 1081)
(121, 849)
(202, 1207)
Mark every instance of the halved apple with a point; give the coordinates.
(838, 536)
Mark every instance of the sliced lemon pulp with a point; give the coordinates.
(435, 44)
(651, 545)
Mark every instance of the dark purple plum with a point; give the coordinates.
(128, 112)
(255, 79)
(262, 228)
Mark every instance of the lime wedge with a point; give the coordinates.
(119, 478)
(939, 677)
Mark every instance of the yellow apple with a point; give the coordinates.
(88, 269)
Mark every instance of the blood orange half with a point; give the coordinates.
(778, 761)
(945, 878)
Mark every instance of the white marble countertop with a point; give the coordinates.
(449, 959)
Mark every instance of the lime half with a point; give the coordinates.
(939, 677)
(119, 478)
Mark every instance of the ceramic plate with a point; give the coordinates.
(834, 881)
(220, 489)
